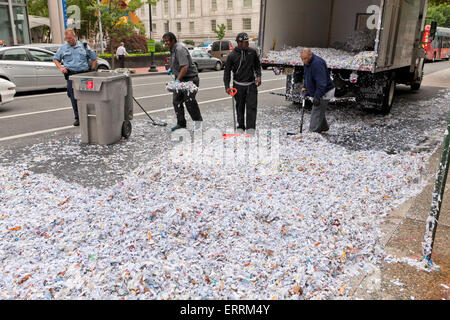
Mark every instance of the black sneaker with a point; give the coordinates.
(76, 123)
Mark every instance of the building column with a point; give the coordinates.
(13, 25)
(56, 15)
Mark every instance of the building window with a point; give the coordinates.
(166, 26)
(192, 27)
(192, 6)
(178, 6)
(230, 24)
(213, 4)
(154, 26)
(153, 10)
(5, 29)
(247, 23)
(213, 25)
(178, 26)
(21, 22)
(247, 3)
(166, 7)
(230, 4)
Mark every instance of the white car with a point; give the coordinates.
(7, 91)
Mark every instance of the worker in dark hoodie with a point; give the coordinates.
(246, 67)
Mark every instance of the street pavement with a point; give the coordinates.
(32, 114)
(385, 152)
(35, 113)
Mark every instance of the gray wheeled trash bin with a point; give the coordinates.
(105, 106)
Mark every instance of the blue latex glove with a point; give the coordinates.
(169, 72)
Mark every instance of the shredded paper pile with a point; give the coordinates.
(335, 59)
(174, 229)
(187, 87)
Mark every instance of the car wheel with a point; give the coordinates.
(102, 67)
(218, 66)
(126, 129)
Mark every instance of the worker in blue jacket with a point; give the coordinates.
(318, 85)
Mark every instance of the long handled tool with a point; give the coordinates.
(303, 117)
(233, 92)
(155, 123)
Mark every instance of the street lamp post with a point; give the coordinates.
(152, 64)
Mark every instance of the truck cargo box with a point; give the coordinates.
(396, 25)
(369, 45)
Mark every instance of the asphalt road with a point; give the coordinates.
(34, 114)
(43, 112)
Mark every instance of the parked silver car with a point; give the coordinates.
(102, 64)
(30, 68)
(203, 60)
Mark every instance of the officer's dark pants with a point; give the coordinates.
(71, 95)
(70, 92)
(181, 98)
(246, 103)
(122, 61)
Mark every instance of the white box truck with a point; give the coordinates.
(394, 28)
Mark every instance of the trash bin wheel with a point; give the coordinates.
(126, 129)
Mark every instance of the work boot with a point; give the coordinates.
(76, 123)
(177, 127)
(198, 125)
(251, 132)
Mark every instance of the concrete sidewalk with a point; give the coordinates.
(404, 231)
(144, 71)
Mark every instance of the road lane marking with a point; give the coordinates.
(137, 85)
(139, 98)
(201, 89)
(33, 113)
(35, 133)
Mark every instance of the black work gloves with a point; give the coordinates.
(316, 102)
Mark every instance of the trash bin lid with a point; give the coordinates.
(103, 76)
(92, 81)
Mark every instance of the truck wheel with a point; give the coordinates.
(416, 86)
(126, 129)
(388, 95)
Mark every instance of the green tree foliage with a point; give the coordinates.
(114, 24)
(189, 42)
(439, 13)
(221, 32)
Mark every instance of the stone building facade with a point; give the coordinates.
(196, 19)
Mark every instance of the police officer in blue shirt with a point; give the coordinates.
(75, 55)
